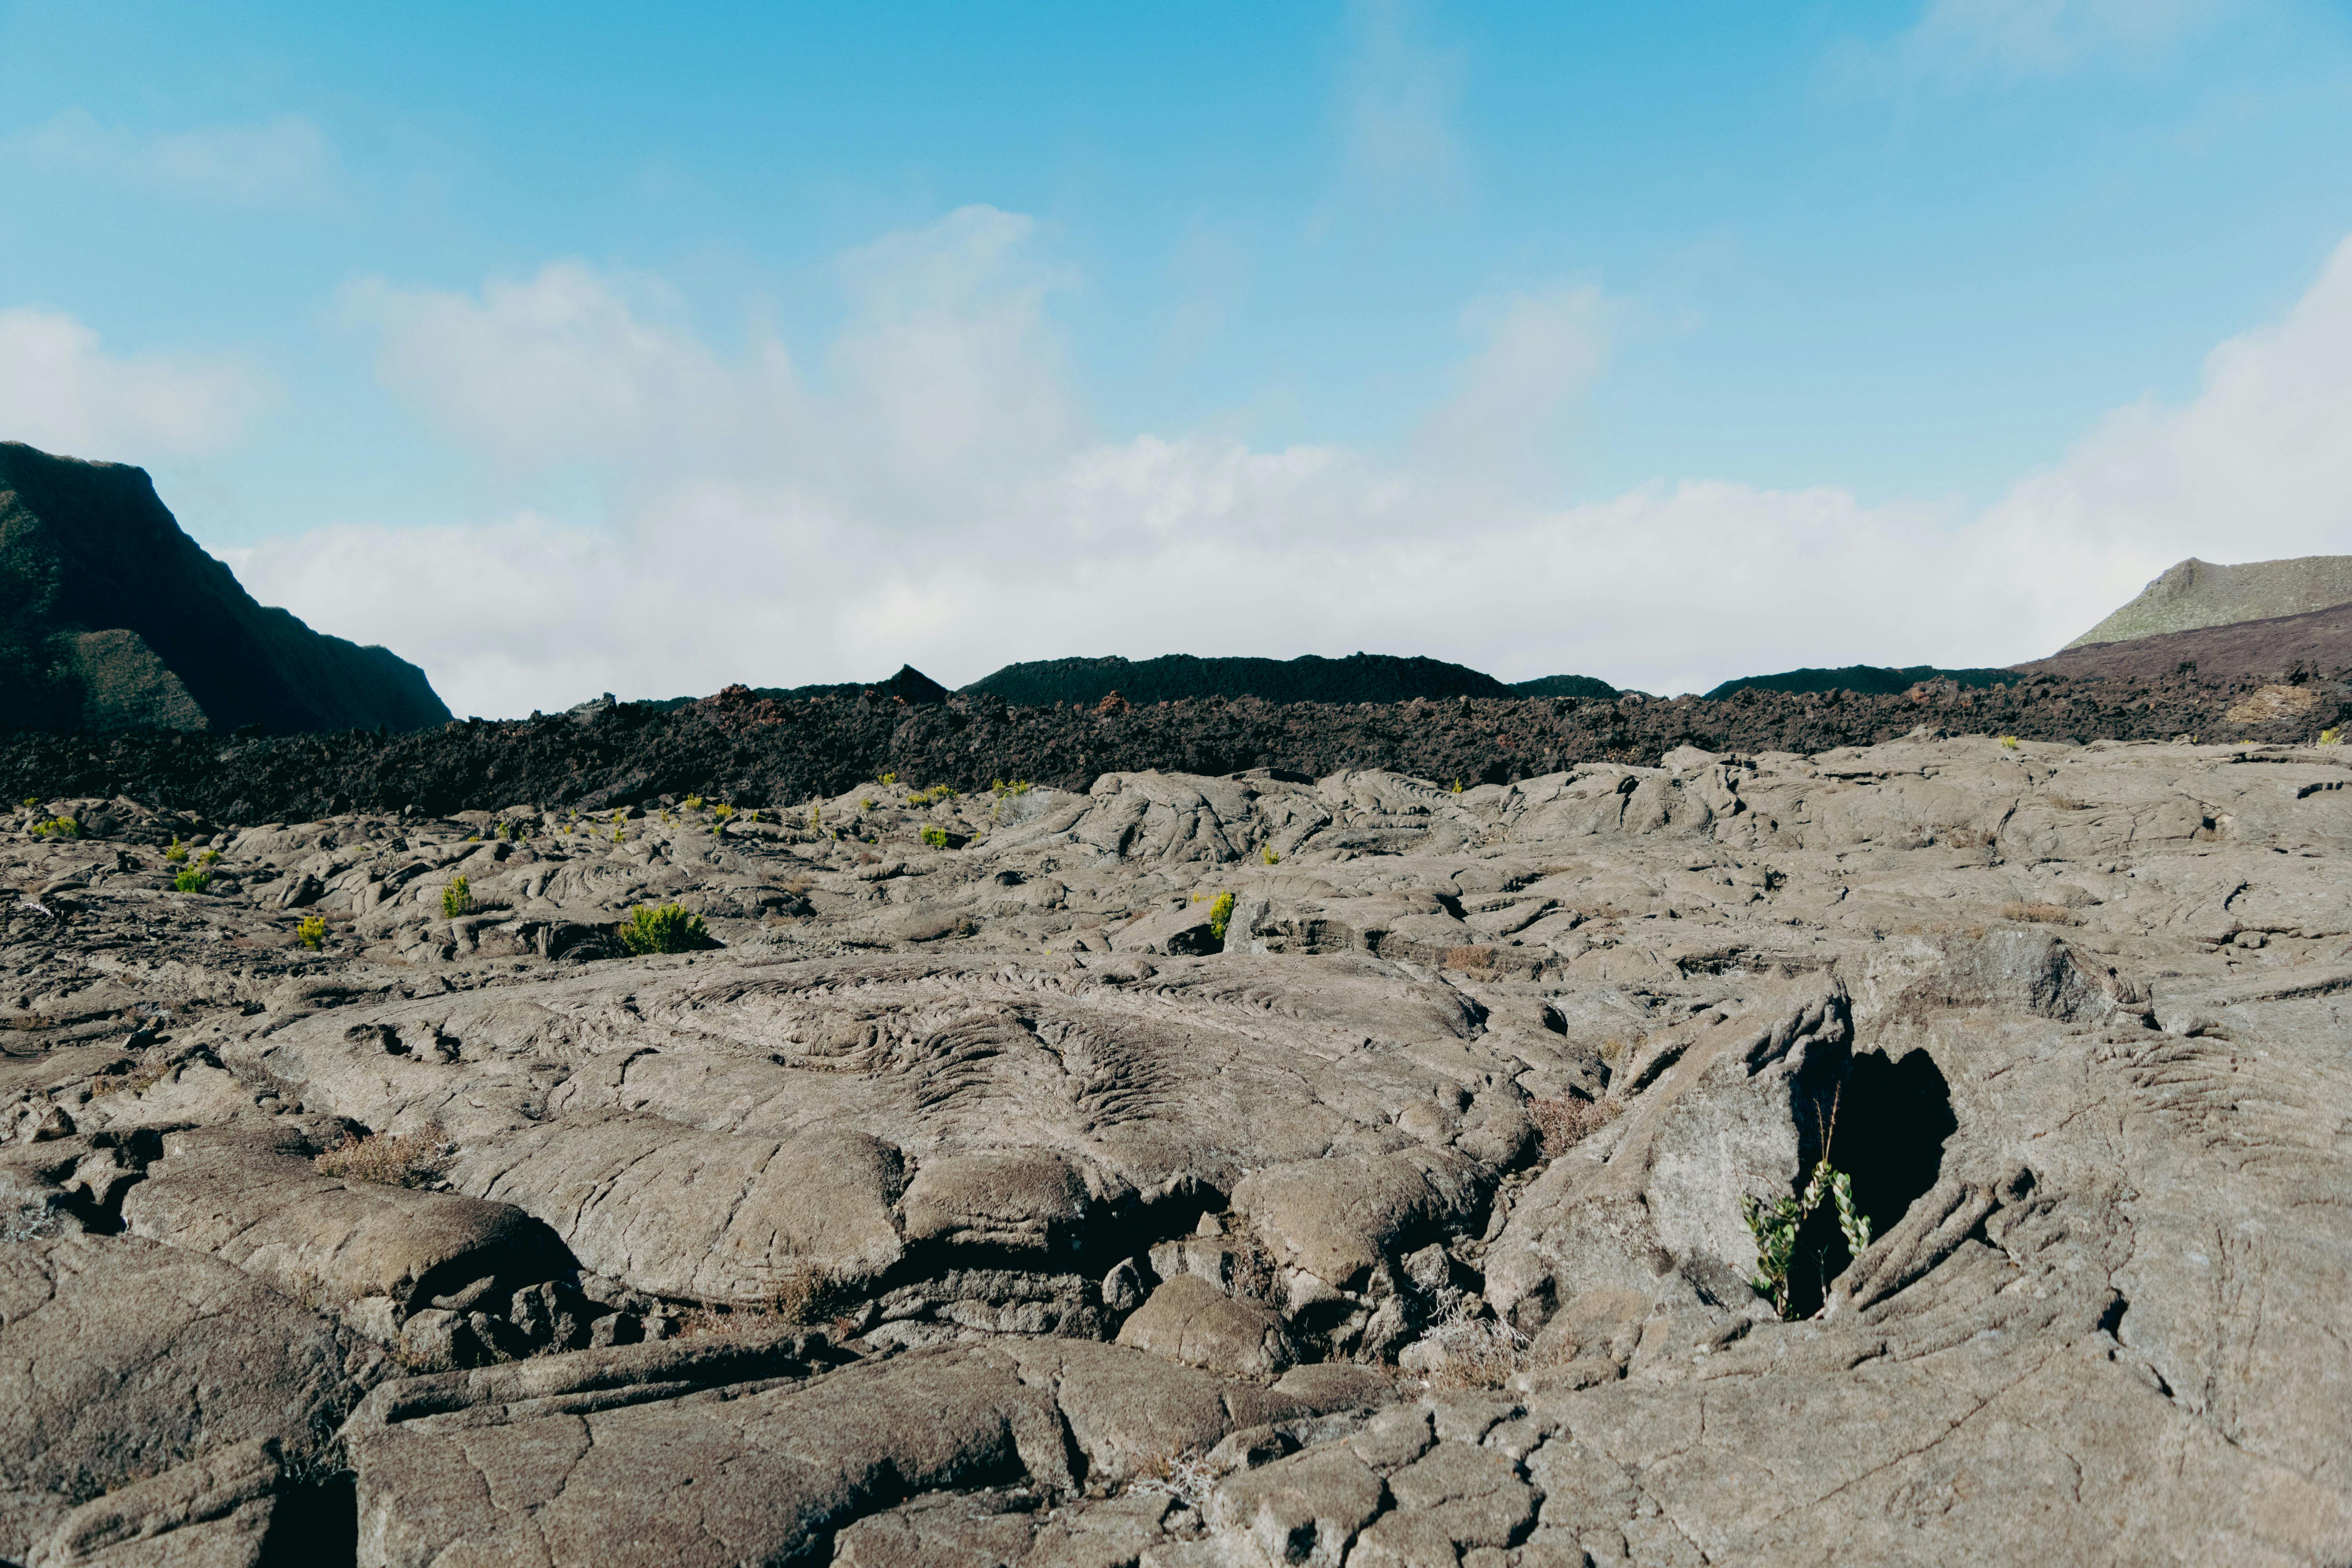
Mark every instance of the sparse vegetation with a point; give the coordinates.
(670, 929)
(1270, 855)
(723, 811)
(1564, 1120)
(1480, 959)
(2009, 742)
(936, 837)
(1001, 788)
(865, 805)
(2039, 914)
(133, 1081)
(1457, 785)
(810, 1294)
(178, 853)
(619, 835)
(1775, 1226)
(889, 779)
(2331, 737)
(390, 1159)
(458, 899)
(693, 803)
(191, 881)
(1221, 916)
(209, 858)
(311, 933)
(58, 827)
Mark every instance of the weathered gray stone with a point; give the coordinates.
(2073, 1017)
(1189, 1319)
(122, 1359)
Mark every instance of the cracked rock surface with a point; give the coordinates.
(1197, 1171)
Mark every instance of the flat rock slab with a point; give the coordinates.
(121, 1358)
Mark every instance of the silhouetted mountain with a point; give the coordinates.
(1877, 679)
(112, 618)
(1359, 678)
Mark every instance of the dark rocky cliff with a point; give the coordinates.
(112, 617)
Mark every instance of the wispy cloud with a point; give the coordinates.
(1538, 353)
(286, 161)
(1958, 43)
(790, 544)
(1397, 102)
(60, 390)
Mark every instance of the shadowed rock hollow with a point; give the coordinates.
(1197, 1170)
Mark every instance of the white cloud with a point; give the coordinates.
(1962, 41)
(1023, 540)
(947, 374)
(287, 161)
(572, 365)
(61, 392)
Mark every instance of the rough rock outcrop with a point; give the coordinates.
(965, 1197)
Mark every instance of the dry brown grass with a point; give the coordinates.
(391, 1159)
(2039, 914)
(2273, 702)
(809, 1295)
(1468, 959)
(1564, 1120)
(131, 1081)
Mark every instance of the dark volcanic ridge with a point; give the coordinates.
(743, 747)
(1182, 677)
(113, 618)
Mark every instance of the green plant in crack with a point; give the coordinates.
(1221, 916)
(1775, 1226)
(670, 929)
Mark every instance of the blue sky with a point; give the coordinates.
(567, 349)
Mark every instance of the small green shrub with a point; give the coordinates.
(888, 779)
(2331, 737)
(192, 881)
(58, 827)
(1271, 856)
(694, 803)
(1457, 786)
(619, 835)
(311, 933)
(2009, 742)
(1775, 1226)
(936, 837)
(1001, 788)
(670, 929)
(865, 805)
(458, 899)
(1221, 915)
(209, 858)
(177, 853)
(723, 811)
